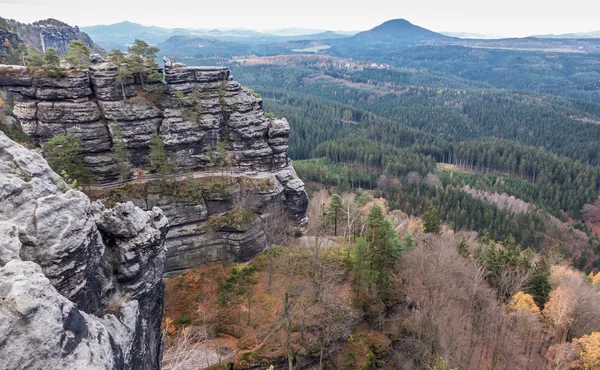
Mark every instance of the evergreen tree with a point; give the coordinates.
(385, 248)
(463, 248)
(361, 269)
(540, 286)
(65, 153)
(335, 211)
(158, 157)
(119, 60)
(78, 55)
(142, 60)
(120, 153)
(34, 59)
(431, 219)
(408, 242)
(51, 61)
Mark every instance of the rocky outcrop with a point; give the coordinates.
(50, 33)
(195, 111)
(208, 124)
(10, 46)
(80, 285)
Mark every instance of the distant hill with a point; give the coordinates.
(119, 35)
(400, 30)
(187, 46)
(579, 35)
(387, 38)
(126, 32)
(471, 35)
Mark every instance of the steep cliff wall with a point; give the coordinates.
(203, 117)
(80, 285)
(49, 33)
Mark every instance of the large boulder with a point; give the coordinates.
(80, 285)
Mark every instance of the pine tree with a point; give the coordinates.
(65, 153)
(463, 248)
(385, 248)
(51, 61)
(78, 55)
(158, 158)
(120, 154)
(119, 60)
(335, 211)
(35, 59)
(540, 283)
(361, 269)
(142, 60)
(409, 242)
(431, 219)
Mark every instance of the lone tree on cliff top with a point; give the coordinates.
(78, 55)
(119, 60)
(142, 60)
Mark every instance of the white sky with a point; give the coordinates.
(500, 17)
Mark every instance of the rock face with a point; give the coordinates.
(80, 285)
(50, 33)
(9, 47)
(204, 119)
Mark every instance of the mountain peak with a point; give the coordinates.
(400, 29)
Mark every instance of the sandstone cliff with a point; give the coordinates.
(49, 33)
(80, 285)
(202, 116)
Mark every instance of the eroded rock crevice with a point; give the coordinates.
(80, 285)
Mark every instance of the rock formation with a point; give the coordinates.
(48, 33)
(209, 125)
(80, 285)
(11, 47)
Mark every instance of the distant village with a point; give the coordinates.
(320, 61)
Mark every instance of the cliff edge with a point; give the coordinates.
(229, 157)
(80, 285)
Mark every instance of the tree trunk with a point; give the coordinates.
(289, 345)
(321, 355)
(123, 90)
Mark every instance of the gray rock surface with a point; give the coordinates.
(80, 285)
(200, 107)
(200, 110)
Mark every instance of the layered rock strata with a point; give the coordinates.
(201, 115)
(80, 285)
(195, 111)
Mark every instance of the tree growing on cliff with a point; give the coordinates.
(158, 158)
(119, 151)
(119, 60)
(65, 153)
(51, 61)
(142, 61)
(78, 55)
(34, 59)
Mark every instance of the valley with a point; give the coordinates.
(394, 198)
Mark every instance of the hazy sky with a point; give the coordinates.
(501, 17)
